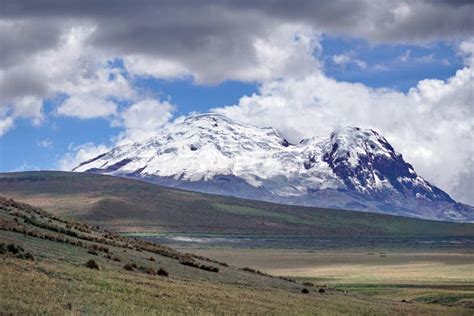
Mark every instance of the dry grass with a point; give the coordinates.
(432, 277)
(59, 282)
(56, 289)
(345, 266)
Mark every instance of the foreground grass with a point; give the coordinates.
(43, 271)
(40, 288)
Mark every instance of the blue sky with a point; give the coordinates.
(32, 147)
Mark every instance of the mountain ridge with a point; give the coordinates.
(352, 169)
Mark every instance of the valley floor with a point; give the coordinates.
(434, 277)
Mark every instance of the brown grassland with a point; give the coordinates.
(54, 279)
(71, 256)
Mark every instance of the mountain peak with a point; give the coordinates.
(353, 168)
(204, 117)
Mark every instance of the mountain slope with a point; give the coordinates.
(352, 169)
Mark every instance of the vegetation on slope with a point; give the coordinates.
(52, 265)
(126, 205)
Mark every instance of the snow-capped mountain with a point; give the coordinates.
(352, 169)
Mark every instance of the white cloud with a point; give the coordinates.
(343, 59)
(285, 50)
(79, 154)
(6, 124)
(405, 56)
(426, 58)
(431, 125)
(45, 143)
(87, 106)
(360, 63)
(148, 66)
(143, 119)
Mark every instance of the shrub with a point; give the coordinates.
(147, 270)
(116, 259)
(92, 252)
(14, 249)
(91, 264)
(128, 267)
(308, 284)
(26, 256)
(189, 262)
(287, 279)
(208, 268)
(251, 270)
(162, 272)
(151, 259)
(305, 291)
(3, 248)
(321, 290)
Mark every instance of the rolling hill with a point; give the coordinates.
(125, 205)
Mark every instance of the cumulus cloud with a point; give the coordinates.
(59, 47)
(143, 119)
(431, 125)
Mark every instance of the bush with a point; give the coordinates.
(151, 259)
(308, 284)
(208, 268)
(321, 290)
(287, 279)
(92, 252)
(147, 270)
(162, 272)
(3, 248)
(26, 256)
(190, 262)
(128, 267)
(116, 259)
(14, 249)
(305, 291)
(91, 264)
(251, 270)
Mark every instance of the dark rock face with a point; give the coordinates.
(371, 166)
(114, 167)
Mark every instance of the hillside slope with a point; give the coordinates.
(56, 266)
(126, 205)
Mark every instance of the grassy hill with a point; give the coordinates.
(124, 205)
(57, 266)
